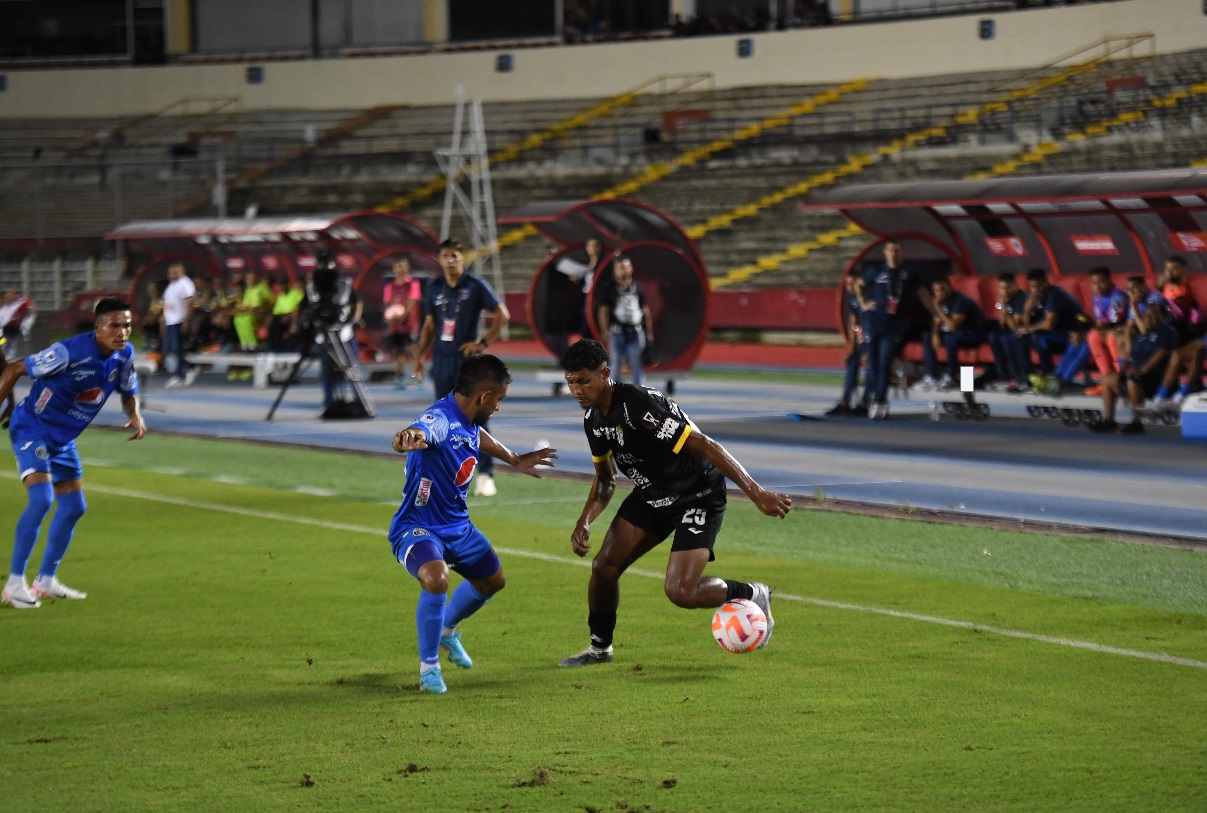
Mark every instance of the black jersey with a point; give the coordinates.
(644, 432)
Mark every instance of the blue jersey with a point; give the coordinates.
(438, 476)
(457, 311)
(71, 382)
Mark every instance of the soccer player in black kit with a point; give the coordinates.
(678, 474)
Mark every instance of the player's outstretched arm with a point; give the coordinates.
(135, 422)
(769, 502)
(526, 463)
(8, 379)
(602, 489)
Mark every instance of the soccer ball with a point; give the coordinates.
(739, 626)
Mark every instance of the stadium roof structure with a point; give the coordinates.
(667, 267)
(1066, 224)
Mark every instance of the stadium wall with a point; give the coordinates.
(948, 45)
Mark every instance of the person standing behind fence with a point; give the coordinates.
(452, 307)
(625, 319)
(177, 306)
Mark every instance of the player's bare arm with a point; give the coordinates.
(769, 502)
(526, 463)
(134, 415)
(8, 380)
(602, 489)
(426, 334)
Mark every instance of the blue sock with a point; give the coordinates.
(1184, 390)
(1163, 392)
(465, 602)
(29, 524)
(429, 618)
(70, 508)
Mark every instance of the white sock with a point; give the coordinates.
(424, 667)
(447, 631)
(43, 580)
(13, 580)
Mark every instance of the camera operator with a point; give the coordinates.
(331, 311)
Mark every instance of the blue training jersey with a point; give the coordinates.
(438, 476)
(71, 382)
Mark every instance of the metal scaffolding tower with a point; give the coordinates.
(466, 162)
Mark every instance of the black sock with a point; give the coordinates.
(737, 590)
(602, 626)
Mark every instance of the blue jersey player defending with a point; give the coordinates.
(71, 381)
(431, 531)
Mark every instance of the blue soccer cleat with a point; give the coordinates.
(431, 681)
(456, 653)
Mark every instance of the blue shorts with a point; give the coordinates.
(465, 550)
(34, 455)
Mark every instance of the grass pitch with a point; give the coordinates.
(248, 643)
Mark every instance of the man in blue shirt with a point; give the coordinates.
(887, 295)
(452, 306)
(431, 531)
(1011, 356)
(1054, 321)
(71, 381)
(959, 323)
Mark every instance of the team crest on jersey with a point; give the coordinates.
(41, 453)
(466, 472)
(424, 493)
(90, 398)
(43, 400)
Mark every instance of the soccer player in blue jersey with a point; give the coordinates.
(431, 531)
(453, 305)
(72, 380)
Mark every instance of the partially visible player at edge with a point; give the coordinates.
(679, 477)
(72, 379)
(431, 530)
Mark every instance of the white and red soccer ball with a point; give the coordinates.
(739, 626)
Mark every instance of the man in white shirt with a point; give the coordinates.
(177, 305)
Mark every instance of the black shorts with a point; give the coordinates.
(398, 342)
(695, 523)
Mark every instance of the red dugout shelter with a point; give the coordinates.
(364, 244)
(666, 265)
(1129, 222)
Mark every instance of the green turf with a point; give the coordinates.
(240, 661)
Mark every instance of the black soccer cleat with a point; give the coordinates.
(589, 656)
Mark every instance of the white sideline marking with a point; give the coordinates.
(565, 560)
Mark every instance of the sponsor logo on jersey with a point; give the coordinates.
(466, 472)
(113, 374)
(90, 398)
(662, 503)
(669, 427)
(427, 417)
(649, 420)
(80, 375)
(424, 493)
(75, 364)
(42, 401)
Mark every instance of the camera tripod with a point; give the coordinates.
(340, 354)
